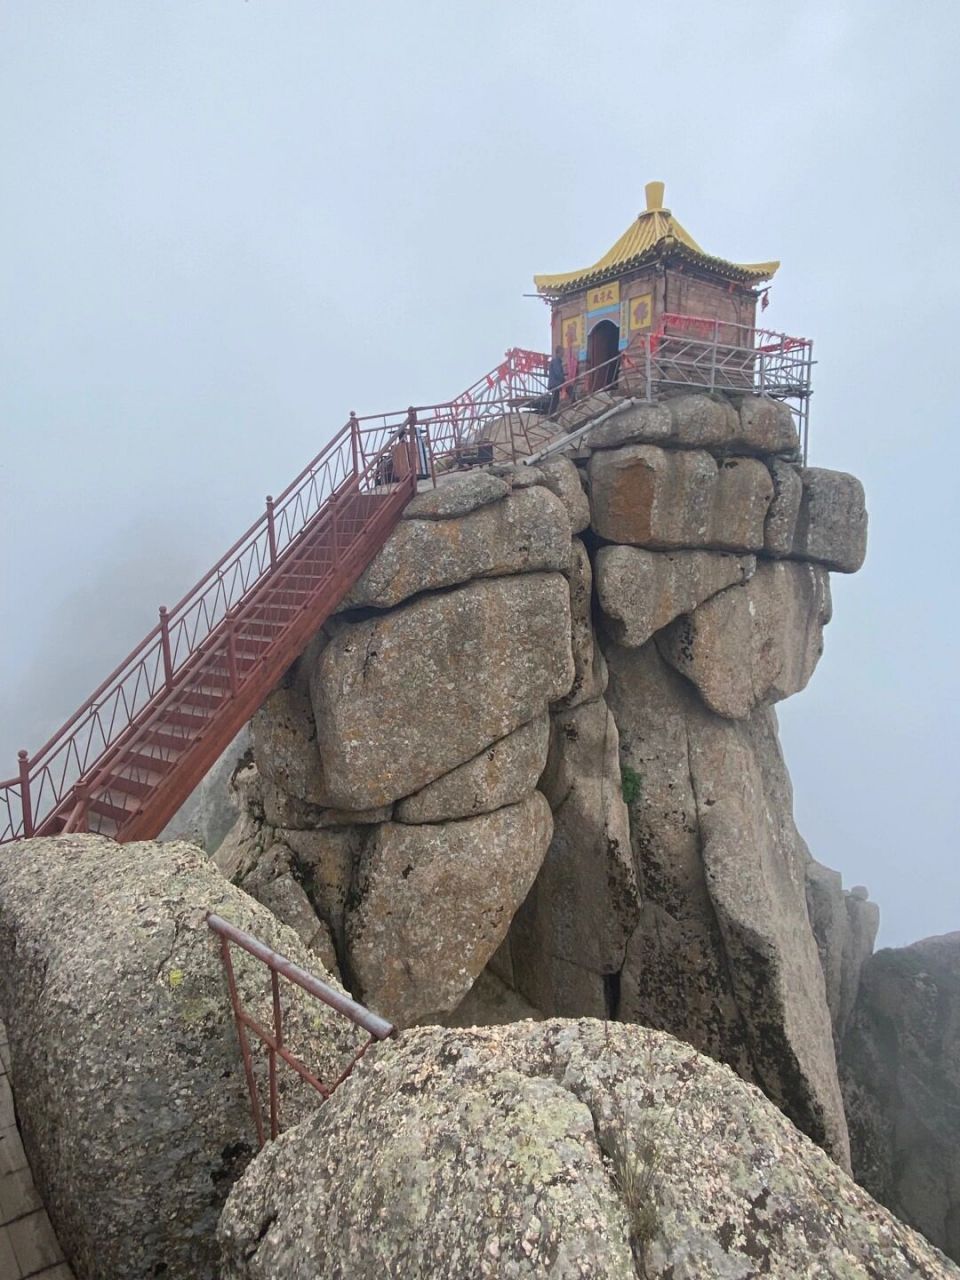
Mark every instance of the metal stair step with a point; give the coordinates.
(148, 764)
(199, 697)
(108, 810)
(130, 786)
(184, 720)
(169, 741)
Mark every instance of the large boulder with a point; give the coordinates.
(574, 1150)
(432, 903)
(563, 479)
(901, 1085)
(526, 531)
(781, 523)
(401, 699)
(723, 955)
(124, 1059)
(754, 643)
(568, 939)
(662, 498)
(503, 773)
(766, 426)
(817, 515)
(456, 495)
(702, 421)
(832, 520)
(642, 591)
(631, 422)
(284, 738)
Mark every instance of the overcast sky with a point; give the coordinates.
(225, 223)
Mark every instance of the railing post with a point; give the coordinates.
(713, 355)
(334, 508)
(80, 808)
(413, 452)
(271, 532)
(648, 367)
(355, 442)
(24, 761)
(232, 671)
(428, 445)
(165, 648)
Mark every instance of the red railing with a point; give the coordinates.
(697, 353)
(279, 966)
(345, 501)
(146, 736)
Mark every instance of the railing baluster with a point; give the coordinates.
(81, 796)
(271, 532)
(23, 759)
(242, 1037)
(355, 442)
(232, 672)
(165, 648)
(278, 1037)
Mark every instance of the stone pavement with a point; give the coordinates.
(28, 1246)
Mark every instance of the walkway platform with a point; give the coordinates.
(28, 1245)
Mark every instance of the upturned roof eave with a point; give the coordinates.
(557, 286)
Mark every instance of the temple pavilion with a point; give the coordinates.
(656, 280)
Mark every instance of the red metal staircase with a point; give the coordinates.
(131, 754)
(128, 758)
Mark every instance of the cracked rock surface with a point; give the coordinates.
(129, 1085)
(561, 1149)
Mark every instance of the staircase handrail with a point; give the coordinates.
(153, 666)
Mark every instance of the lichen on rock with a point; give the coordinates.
(568, 1149)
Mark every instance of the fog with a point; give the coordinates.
(227, 223)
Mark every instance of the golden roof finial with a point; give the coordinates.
(654, 193)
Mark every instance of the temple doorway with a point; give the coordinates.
(602, 349)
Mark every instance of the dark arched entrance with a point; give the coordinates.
(602, 348)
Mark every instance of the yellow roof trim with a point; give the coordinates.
(656, 229)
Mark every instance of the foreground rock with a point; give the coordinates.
(124, 1059)
(561, 1149)
(901, 1083)
(401, 699)
(434, 902)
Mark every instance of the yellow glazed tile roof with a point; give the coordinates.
(655, 229)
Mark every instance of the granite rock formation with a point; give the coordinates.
(567, 1149)
(642, 605)
(130, 1093)
(900, 1070)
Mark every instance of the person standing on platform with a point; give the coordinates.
(555, 380)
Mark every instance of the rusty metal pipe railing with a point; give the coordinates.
(279, 966)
